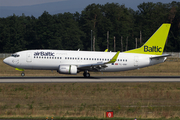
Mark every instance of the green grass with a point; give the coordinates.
(127, 100)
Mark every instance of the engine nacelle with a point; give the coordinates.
(64, 69)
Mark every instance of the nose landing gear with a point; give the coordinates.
(22, 70)
(22, 74)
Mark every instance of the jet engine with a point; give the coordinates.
(64, 69)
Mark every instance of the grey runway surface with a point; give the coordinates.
(99, 79)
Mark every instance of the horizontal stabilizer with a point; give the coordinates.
(161, 56)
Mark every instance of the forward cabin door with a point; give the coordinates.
(28, 57)
(135, 60)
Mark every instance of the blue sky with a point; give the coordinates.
(37, 7)
(24, 2)
(35, 2)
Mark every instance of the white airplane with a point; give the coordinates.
(73, 62)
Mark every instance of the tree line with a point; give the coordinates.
(122, 28)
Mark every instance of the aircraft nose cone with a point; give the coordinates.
(6, 60)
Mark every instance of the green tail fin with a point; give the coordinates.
(155, 44)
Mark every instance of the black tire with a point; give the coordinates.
(86, 75)
(22, 74)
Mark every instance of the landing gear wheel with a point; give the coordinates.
(22, 74)
(86, 74)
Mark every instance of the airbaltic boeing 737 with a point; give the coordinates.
(73, 62)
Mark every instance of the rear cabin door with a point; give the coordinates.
(136, 61)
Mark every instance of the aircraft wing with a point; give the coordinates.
(160, 56)
(99, 65)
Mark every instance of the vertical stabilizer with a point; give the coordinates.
(155, 44)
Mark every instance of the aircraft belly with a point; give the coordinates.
(40, 65)
(46, 67)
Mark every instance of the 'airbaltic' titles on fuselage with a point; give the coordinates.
(152, 49)
(43, 54)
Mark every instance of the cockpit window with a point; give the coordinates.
(15, 55)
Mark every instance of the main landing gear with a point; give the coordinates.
(86, 74)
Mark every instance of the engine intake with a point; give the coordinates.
(64, 69)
